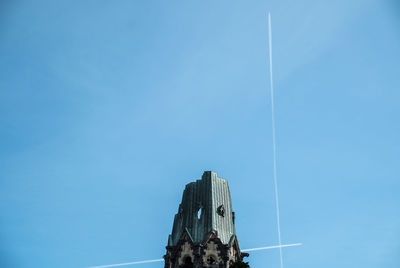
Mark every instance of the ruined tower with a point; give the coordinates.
(203, 234)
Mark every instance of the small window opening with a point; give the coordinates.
(199, 213)
(221, 210)
(187, 263)
(211, 260)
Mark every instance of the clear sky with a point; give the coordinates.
(108, 108)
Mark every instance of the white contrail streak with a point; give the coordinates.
(160, 260)
(273, 137)
(126, 263)
(271, 247)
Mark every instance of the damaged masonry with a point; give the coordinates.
(203, 234)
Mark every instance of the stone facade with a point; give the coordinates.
(203, 233)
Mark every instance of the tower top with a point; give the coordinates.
(206, 206)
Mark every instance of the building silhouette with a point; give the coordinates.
(203, 233)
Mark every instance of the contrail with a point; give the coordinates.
(273, 137)
(160, 260)
(271, 247)
(126, 263)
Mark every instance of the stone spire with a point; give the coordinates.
(203, 234)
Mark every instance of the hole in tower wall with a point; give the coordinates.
(199, 213)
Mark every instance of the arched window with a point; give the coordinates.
(187, 262)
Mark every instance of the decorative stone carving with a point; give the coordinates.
(186, 251)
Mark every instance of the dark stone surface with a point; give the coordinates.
(215, 223)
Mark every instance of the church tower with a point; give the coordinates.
(203, 234)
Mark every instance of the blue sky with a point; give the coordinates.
(108, 108)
